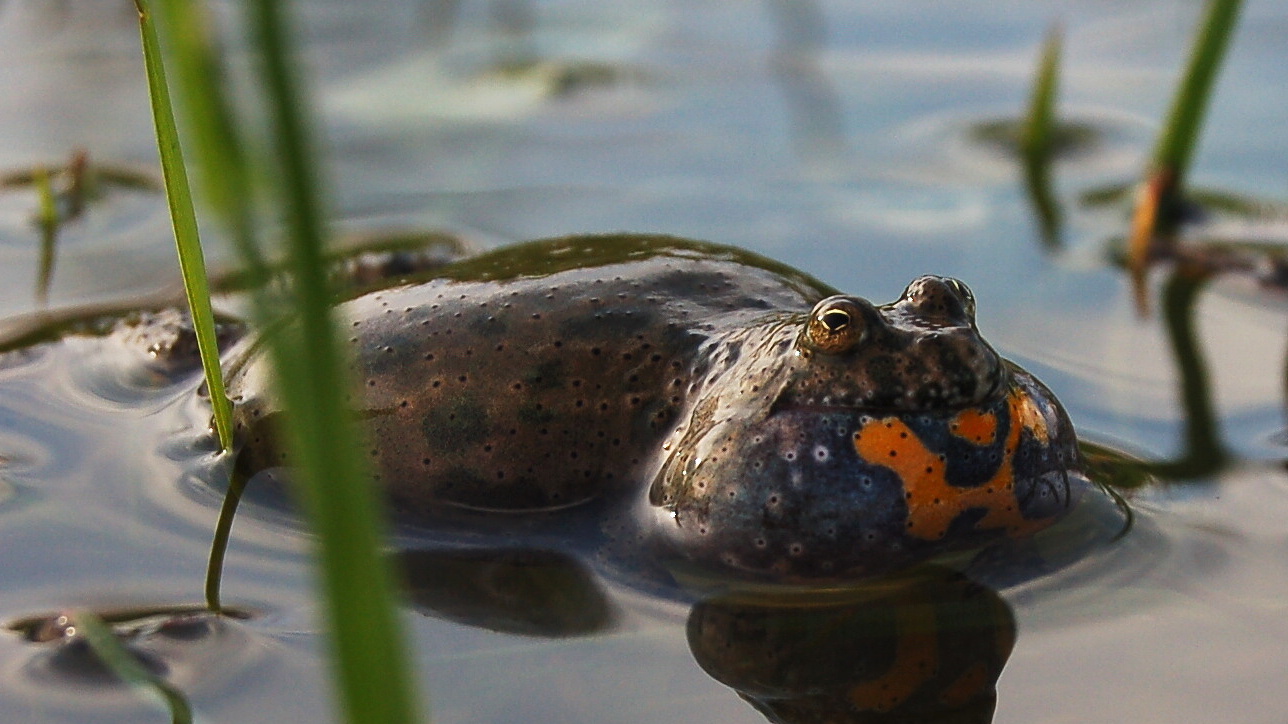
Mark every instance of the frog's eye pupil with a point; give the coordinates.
(835, 319)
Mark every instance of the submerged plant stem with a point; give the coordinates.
(1203, 454)
(219, 543)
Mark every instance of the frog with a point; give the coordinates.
(726, 412)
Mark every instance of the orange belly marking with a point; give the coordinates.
(933, 504)
(974, 426)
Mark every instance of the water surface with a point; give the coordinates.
(835, 136)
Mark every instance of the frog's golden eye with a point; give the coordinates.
(836, 325)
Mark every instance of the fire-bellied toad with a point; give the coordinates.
(745, 415)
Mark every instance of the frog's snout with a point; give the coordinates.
(940, 300)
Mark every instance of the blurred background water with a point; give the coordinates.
(836, 136)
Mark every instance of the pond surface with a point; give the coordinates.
(835, 136)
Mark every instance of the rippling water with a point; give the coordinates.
(839, 137)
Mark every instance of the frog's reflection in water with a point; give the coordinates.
(923, 646)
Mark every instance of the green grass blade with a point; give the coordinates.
(48, 221)
(1036, 137)
(371, 664)
(224, 173)
(191, 261)
(1176, 145)
(1158, 201)
(127, 667)
(371, 667)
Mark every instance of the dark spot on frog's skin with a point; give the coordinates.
(628, 321)
(751, 303)
(533, 414)
(396, 352)
(546, 376)
(455, 425)
(488, 325)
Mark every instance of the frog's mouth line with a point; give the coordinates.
(877, 411)
(993, 396)
(1002, 381)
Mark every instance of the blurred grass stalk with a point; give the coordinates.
(48, 221)
(127, 667)
(1037, 137)
(1158, 200)
(368, 652)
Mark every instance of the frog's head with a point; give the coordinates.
(882, 435)
(921, 352)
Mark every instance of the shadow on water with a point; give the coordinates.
(521, 591)
(926, 644)
(1039, 139)
(923, 646)
(1066, 141)
(515, 53)
(927, 647)
(1202, 453)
